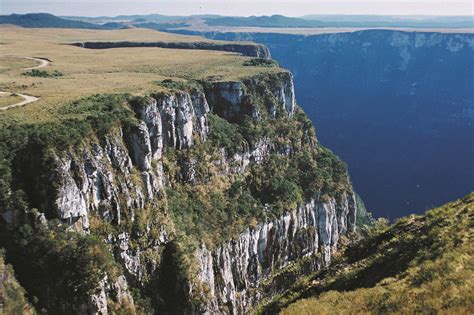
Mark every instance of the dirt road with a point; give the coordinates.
(26, 100)
(43, 63)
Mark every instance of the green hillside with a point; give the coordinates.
(421, 264)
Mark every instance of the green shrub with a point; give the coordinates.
(58, 267)
(225, 134)
(179, 85)
(43, 74)
(260, 62)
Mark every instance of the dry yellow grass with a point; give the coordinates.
(6, 99)
(8, 63)
(89, 71)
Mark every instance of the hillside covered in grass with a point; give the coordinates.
(421, 264)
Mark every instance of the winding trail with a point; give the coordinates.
(27, 99)
(43, 63)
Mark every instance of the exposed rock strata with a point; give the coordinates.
(122, 173)
(231, 100)
(231, 270)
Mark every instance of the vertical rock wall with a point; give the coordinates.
(122, 172)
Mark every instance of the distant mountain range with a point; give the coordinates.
(414, 21)
(263, 21)
(161, 22)
(43, 20)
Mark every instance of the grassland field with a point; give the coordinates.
(87, 71)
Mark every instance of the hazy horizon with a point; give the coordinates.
(240, 7)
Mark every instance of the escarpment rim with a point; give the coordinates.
(249, 50)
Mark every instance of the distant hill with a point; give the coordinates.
(161, 22)
(160, 26)
(114, 25)
(157, 18)
(39, 20)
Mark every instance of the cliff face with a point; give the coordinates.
(235, 268)
(229, 98)
(120, 186)
(407, 92)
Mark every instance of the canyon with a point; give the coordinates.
(389, 103)
(158, 173)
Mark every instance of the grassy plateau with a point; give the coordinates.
(86, 72)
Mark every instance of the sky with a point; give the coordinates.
(239, 7)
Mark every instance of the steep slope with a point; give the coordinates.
(12, 295)
(402, 104)
(181, 198)
(421, 264)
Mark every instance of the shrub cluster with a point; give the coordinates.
(261, 62)
(59, 269)
(43, 73)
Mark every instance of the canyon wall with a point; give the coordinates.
(119, 185)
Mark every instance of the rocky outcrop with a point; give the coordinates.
(250, 50)
(282, 91)
(100, 179)
(116, 291)
(124, 171)
(232, 99)
(232, 270)
(181, 115)
(148, 112)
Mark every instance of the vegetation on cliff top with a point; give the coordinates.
(421, 264)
